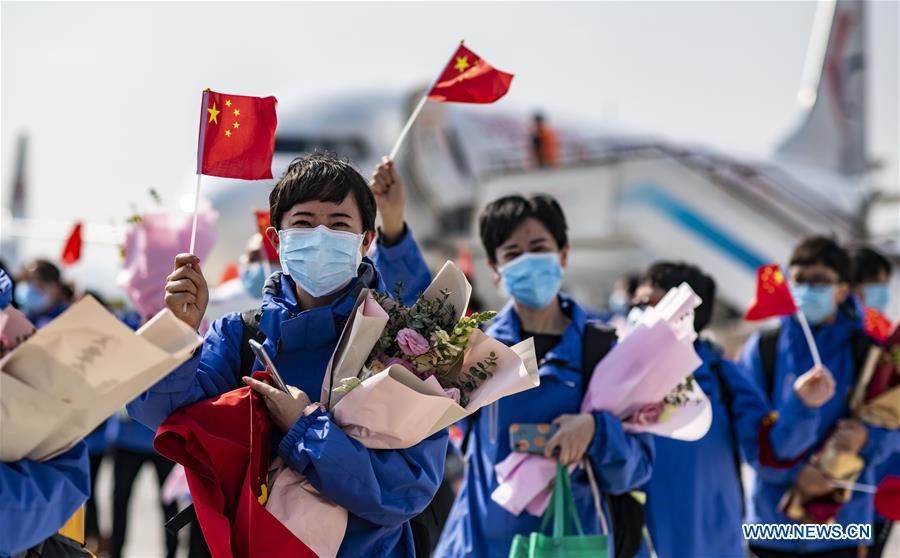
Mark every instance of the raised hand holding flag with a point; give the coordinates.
(773, 298)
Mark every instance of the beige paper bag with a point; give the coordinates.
(87, 364)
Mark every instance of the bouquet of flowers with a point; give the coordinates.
(428, 340)
(400, 374)
(645, 380)
(685, 394)
(397, 376)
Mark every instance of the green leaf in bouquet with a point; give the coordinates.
(346, 385)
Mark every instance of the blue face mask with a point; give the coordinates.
(533, 279)
(253, 278)
(320, 260)
(877, 296)
(815, 301)
(31, 299)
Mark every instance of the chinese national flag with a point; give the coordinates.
(468, 78)
(773, 297)
(877, 325)
(237, 136)
(262, 223)
(72, 250)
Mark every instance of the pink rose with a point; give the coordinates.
(648, 414)
(452, 393)
(411, 342)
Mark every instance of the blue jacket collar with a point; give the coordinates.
(507, 328)
(287, 326)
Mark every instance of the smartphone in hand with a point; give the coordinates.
(530, 438)
(263, 357)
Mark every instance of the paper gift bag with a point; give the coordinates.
(88, 365)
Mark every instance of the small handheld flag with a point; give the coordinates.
(773, 298)
(467, 78)
(877, 325)
(236, 140)
(72, 250)
(237, 136)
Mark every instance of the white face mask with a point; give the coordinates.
(634, 316)
(320, 260)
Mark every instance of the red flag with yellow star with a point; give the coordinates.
(773, 297)
(468, 78)
(237, 136)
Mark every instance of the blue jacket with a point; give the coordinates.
(38, 497)
(126, 433)
(694, 499)
(44, 318)
(5, 290)
(381, 489)
(792, 360)
(479, 527)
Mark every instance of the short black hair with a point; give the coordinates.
(48, 272)
(823, 250)
(44, 270)
(501, 217)
(868, 264)
(667, 275)
(321, 177)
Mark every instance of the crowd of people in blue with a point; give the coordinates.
(660, 496)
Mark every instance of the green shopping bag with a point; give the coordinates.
(563, 543)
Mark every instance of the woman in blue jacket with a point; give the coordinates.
(323, 217)
(819, 274)
(708, 500)
(38, 497)
(527, 248)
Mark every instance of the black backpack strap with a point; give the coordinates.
(727, 396)
(768, 349)
(181, 519)
(860, 344)
(597, 341)
(250, 330)
(626, 513)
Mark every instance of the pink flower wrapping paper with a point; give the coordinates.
(644, 367)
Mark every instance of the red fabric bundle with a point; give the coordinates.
(224, 445)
